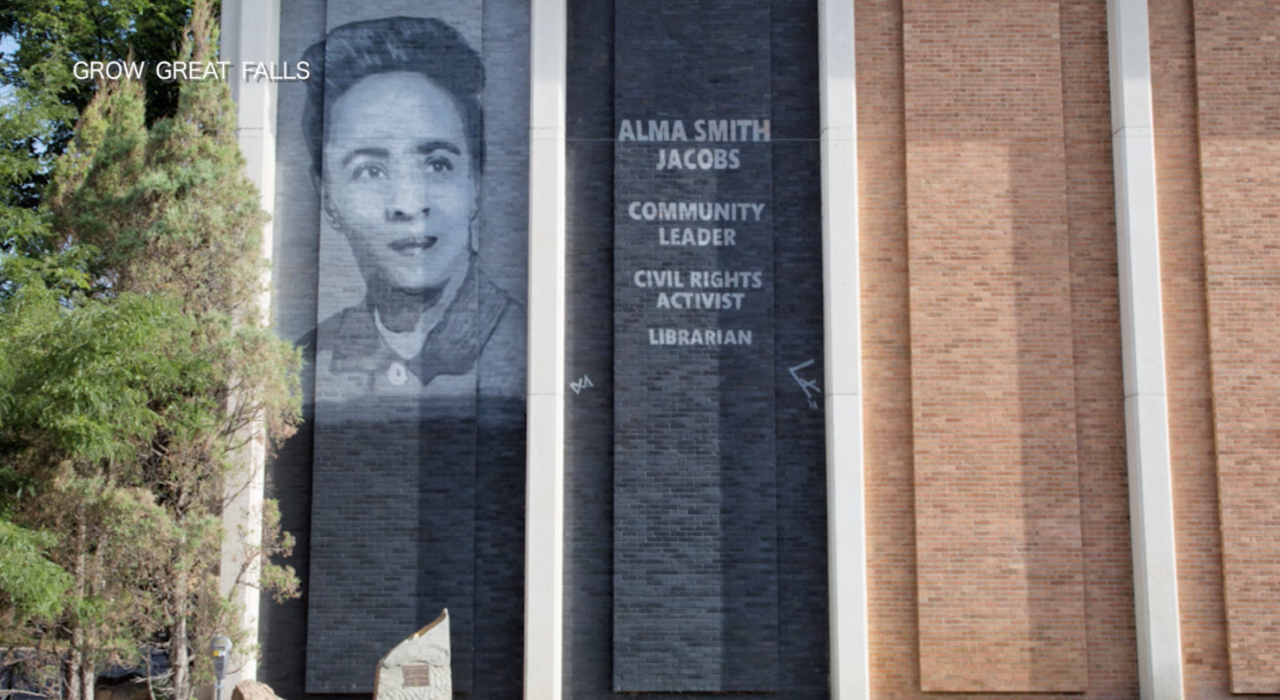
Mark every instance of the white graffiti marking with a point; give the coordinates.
(584, 383)
(810, 387)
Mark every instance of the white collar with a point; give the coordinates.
(408, 344)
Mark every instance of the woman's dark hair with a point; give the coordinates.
(357, 50)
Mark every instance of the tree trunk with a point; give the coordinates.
(75, 678)
(80, 677)
(88, 678)
(80, 670)
(179, 659)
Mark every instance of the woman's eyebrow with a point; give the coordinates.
(377, 153)
(429, 146)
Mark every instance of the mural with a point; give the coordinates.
(396, 122)
(418, 353)
(695, 529)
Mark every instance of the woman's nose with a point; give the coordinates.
(408, 202)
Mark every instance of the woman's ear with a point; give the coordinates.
(330, 211)
(326, 204)
(473, 225)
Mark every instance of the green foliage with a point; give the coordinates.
(137, 373)
(36, 587)
(35, 254)
(51, 36)
(282, 581)
(32, 122)
(93, 195)
(95, 380)
(85, 390)
(28, 123)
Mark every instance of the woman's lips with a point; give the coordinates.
(412, 246)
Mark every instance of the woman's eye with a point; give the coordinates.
(368, 171)
(439, 164)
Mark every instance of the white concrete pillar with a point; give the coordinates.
(544, 505)
(250, 32)
(846, 497)
(1155, 572)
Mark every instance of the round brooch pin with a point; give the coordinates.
(397, 374)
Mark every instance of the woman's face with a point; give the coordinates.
(399, 180)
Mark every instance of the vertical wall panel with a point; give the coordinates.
(295, 265)
(1202, 614)
(886, 353)
(800, 645)
(405, 486)
(394, 474)
(1098, 368)
(998, 528)
(1099, 406)
(1238, 70)
(695, 504)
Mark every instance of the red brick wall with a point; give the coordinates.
(1229, 49)
(1215, 78)
(1201, 614)
(1000, 574)
(1238, 78)
(886, 352)
(1095, 288)
(1085, 189)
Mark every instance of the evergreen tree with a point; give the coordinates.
(82, 393)
(49, 37)
(140, 369)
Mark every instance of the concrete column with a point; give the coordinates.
(544, 507)
(846, 497)
(1155, 573)
(250, 32)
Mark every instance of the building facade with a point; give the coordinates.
(862, 349)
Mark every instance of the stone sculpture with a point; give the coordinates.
(418, 667)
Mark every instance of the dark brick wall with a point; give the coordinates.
(296, 258)
(802, 663)
(799, 467)
(695, 499)
(452, 537)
